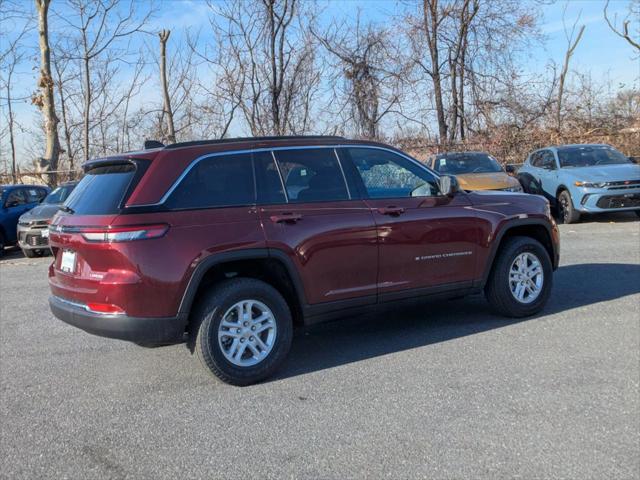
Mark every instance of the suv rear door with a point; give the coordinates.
(425, 240)
(311, 213)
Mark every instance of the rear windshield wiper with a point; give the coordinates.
(67, 209)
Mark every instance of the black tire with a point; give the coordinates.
(566, 212)
(31, 253)
(498, 291)
(208, 315)
(2, 245)
(638, 213)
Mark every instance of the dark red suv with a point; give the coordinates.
(228, 244)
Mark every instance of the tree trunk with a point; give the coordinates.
(563, 76)
(45, 83)
(14, 176)
(164, 36)
(87, 107)
(431, 24)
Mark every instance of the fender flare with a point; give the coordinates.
(210, 261)
(509, 225)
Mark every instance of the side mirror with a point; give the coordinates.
(635, 160)
(11, 204)
(449, 185)
(510, 168)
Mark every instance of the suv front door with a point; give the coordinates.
(425, 240)
(16, 203)
(311, 214)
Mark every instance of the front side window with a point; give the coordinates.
(461, 163)
(312, 175)
(388, 175)
(15, 198)
(217, 181)
(590, 156)
(547, 160)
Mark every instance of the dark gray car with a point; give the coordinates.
(33, 226)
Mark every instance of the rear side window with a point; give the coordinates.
(219, 181)
(102, 190)
(312, 175)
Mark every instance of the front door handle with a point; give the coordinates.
(286, 218)
(392, 210)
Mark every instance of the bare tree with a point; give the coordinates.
(369, 70)
(572, 43)
(45, 100)
(267, 58)
(98, 25)
(10, 58)
(623, 31)
(164, 37)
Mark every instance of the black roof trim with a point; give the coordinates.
(196, 143)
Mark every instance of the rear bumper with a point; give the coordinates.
(149, 331)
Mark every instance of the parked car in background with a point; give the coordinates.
(33, 226)
(583, 179)
(474, 171)
(229, 243)
(14, 201)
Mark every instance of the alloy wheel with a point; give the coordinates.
(526, 277)
(247, 333)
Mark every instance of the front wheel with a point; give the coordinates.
(520, 281)
(244, 331)
(568, 214)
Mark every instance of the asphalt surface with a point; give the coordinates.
(446, 390)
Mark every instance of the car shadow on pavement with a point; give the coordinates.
(367, 336)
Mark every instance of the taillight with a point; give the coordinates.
(123, 234)
(105, 308)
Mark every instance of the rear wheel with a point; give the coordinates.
(567, 213)
(244, 331)
(520, 281)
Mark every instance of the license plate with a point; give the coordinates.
(68, 261)
(45, 233)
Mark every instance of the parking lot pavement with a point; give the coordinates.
(445, 390)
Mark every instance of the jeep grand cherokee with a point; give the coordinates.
(228, 244)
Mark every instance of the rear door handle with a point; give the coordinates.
(286, 218)
(393, 211)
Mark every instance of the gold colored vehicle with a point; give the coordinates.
(474, 171)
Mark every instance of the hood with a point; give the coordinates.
(486, 181)
(44, 211)
(604, 173)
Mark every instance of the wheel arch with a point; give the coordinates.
(535, 229)
(271, 266)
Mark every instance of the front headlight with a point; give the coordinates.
(517, 188)
(590, 184)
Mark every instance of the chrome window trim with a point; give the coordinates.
(335, 152)
(197, 160)
(284, 189)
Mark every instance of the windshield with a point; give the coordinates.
(458, 164)
(590, 156)
(59, 195)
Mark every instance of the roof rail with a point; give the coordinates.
(250, 139)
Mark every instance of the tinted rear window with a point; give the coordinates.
(102, 190)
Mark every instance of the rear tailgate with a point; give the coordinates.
(80, 266)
